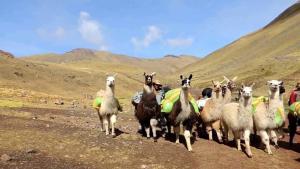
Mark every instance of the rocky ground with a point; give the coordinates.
(57, 138)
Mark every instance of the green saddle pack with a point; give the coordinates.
(171, 97)
(295, 108)
(262, 99)
(97, 102)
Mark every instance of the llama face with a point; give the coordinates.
(186, 82)
(110, 81)
(246, 91)
(230, 83)
(149, 78)
(275, 85)
(217, 86)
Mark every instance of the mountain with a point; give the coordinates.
(81, 72)
(89, 57)
(272, 52)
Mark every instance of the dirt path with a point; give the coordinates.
(71, 139)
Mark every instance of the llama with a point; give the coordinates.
(183, 113)
(238, 118)
(147, 110)
(211, 112)
(270, 115)
(228, 89)
(109, 107)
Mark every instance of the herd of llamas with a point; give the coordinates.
(262, 116)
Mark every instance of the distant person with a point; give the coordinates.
(206, 94)
(294, 118)
(158, 91)
(295, 94)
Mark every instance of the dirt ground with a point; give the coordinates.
(57, 138)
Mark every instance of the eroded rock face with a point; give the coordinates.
(6, 54)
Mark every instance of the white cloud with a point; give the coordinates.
(179, 42)
(153, 34)
(57, 33)
(91, 30)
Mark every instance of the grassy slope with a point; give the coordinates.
(77, 73)
(270, 53)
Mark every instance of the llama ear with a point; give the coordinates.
(144, 73)
(115, 74)
(225, 78)
(253, 84)
(234, 79)
(190, 77)
(153, 73)
(181, 77)
(213, 82)
(106, 74)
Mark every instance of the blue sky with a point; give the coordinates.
(143, 28)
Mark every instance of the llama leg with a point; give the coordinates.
(153, 124)
(113, 120)
(147, 132)
(187, 136)
(105, 122)
(274, 138)
(265, 139)
(237, 139)
(101, 120)
(101, 124)
(225, 133)
(219, 134)
(177, 131)
(209, 131)
(217, 127)
(247, 142)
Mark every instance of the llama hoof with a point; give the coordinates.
(250, 155)
(148, 138)
(155, 140)
(276, 146)
(190, 150)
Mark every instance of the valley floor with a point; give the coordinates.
(56, 138)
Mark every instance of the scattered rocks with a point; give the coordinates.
(47, 125)
(19, 74)
(31, 151)
(6, 158)
(143, 166)
(59, 102)
(44, 101)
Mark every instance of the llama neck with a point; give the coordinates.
(227, 96)
(246, 102)
(110, 91)
(275, 101)
(148, 88)
(184, 96)
(245, 107)
(216, 96)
